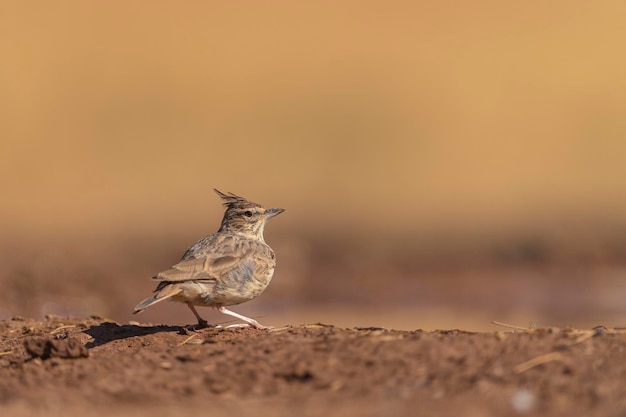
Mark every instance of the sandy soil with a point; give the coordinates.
(93, 366)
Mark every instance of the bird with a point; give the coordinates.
(222, 269)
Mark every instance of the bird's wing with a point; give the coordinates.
(205, 268)
(215, 263)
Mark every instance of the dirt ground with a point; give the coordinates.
(94, 366)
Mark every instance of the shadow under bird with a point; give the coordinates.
(227, 268)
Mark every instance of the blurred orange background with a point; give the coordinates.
(442, 164)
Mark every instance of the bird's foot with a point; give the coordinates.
(243, 325)
(261, 327)
(253, 323)
(202, 324)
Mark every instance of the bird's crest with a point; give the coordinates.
(234, 201)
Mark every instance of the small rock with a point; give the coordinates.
(523, 401)
(600, 330)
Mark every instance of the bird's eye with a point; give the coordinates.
(248, 213)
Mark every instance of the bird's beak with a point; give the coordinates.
(273, 212)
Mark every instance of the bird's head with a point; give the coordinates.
(245, 217)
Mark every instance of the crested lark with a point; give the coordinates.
(229, 267)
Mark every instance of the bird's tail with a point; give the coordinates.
(163, 294)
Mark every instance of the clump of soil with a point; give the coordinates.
(94, 366)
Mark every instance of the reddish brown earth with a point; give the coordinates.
(71, 367)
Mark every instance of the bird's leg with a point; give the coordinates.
(202, 323)
(248, 320)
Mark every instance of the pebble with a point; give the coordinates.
(523, 401)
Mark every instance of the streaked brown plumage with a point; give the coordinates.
(229, 267)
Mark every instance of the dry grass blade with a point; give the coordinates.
(60, 328)
(187, 339)
(539, 360)
(280, 329)
(587, 335)
(510, 326)
(8, 352)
